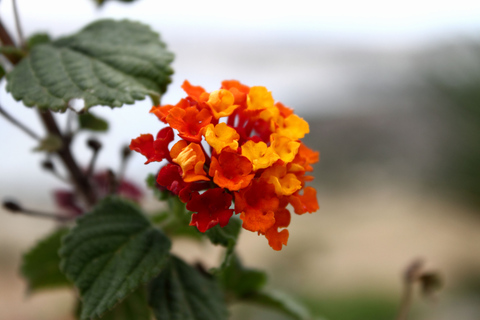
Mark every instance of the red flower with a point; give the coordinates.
(211, 207)
(154, 150)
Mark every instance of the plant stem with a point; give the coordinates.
(18, 24)
(7, 40)
(80, 180)
(18, 124)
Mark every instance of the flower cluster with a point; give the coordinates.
(236, 145)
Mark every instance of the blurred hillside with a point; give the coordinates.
(398, 176)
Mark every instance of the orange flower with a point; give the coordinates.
(256, 205)
(255, 157)
(189, 122)
(231, 171)
(278, 238)
(191, 159)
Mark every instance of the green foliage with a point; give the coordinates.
(41, 264)
(109, 63)
(227, 237)
(2, 72)
(112, 251)
(88, 121)
(51, 143)
(38, 38)
(134, 307)
(182, 292)
(178, 219)
(239, 282)
(361, 305)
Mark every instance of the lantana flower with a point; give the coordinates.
(239, 152)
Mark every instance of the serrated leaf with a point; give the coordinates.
(108, 63)
(239, 281)
(280, 302)
(89, 121)
(40, 265)
(184, 293)
(51, 143)
(134, 307)
(112, 250)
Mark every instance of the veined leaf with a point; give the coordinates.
(108, 63)
(112, 251)
(181, 292)
(41, 265)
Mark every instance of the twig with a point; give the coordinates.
(7, 40)
(95, 145)
(18, 124)
(80, 180)
(18, 24)
(14, 207)
(411, 276)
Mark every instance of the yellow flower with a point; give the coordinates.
(221, 103)
(284, 147)
(285, 183)
(221, 136)
(292, 127)
(259, 98)
(259, 154)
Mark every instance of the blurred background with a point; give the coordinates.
(392, 95)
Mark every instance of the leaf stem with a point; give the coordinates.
(19, 125)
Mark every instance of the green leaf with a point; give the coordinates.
(280, 302)
(227, 237)
(112, 250)
(38, 38)
(134, 307)
(108, 63)
(184, 293)
(90, 122)
(239, 281)
(51, 143)
(40, 265)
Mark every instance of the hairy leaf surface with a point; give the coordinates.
(41, 264)
(108, 63)
(182, 292)
(112, 251)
